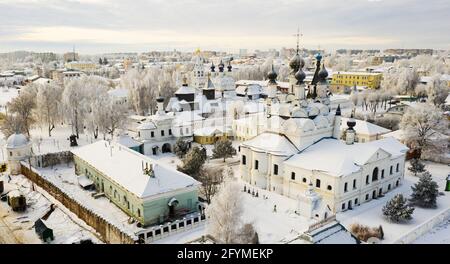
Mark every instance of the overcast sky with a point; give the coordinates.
(99, 26)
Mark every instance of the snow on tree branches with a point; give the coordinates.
(397, 210)
(416, 166)
(425, 192)
(223, 148)
(225, 216)
(193, 162)
(180, 148)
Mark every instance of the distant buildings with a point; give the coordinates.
(81, 66)
(71, 56)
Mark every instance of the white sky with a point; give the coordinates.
(97, 26)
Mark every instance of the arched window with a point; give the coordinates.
(318, 183)
(375, 174)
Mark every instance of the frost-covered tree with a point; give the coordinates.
(374, 100)
(145, 85)
(389, 122)
(225, 212)
(75, 99)
(48, 107)
(143, 90)
(180, 148)
(425, 192)
(23, 106)
(80, 97)
(397, 210)
(193, 162)
(211, 178)
(223, 148)
(11, 124)
(416, 166)
(248, 235)
(115, 117)
(420, 124)
(437, 91)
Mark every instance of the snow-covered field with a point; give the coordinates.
(18, 226)
(370, 213)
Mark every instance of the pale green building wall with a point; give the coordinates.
(146, 212)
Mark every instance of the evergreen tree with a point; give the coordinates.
(193, 162)
(416, 166)
(425, 192)
(180, 148)
(397, 209)
(223, 148)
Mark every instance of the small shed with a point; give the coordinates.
(85, 182)
(43, 231)
(17, 201)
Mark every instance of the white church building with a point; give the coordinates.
(301, 154)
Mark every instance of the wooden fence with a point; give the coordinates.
(109, 232)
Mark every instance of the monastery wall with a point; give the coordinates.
(109, 233)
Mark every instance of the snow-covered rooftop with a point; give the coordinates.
(185, 90)
(272, 143)
(128, 141)
(342, 159)
(364, 127)
(124, 166)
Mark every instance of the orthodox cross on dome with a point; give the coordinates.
(298, 35)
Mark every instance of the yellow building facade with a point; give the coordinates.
(349, 79)
(81, 66)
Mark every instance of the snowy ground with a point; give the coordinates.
(370, 213)
(65, 178)
(17, 227)
(438, 235)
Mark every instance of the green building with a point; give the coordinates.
(148, 191)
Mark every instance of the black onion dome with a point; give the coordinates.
(323, 74)
(272, 75)
(160, 99)
(213, 67)
(229, 67)
(221, 66)
(351, 123)
(300, 75)
(296, 62)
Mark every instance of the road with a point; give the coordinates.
(6, 234)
